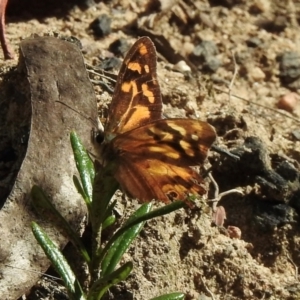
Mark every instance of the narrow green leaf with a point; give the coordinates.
(105, 186)
(138, 219)
(108, 222)
(109, 209)
(78, 186)
(122, 243)
(80, 190)
(59, 262)
(172, 296)
(101, 285)
(84, 165)
(43, 205)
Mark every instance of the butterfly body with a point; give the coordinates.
(151, 156)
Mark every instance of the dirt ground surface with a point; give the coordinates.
(209, 52)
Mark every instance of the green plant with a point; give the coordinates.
(103, 259)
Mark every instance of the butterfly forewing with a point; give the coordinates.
(137, 98)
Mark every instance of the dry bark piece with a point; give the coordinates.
(51, 70)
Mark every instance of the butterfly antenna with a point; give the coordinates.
(87, 118)
(35, 272)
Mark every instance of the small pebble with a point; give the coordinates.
(182, 66)
(101, 25)
(219, 216)
(289, 66)
(288, 102)
(296, 134)
(234, 232)
(256, 74)
(204, 55)
(254, 42)
(119, 47)
(259, 6)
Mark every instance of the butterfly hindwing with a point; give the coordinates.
(151, 179)
(181, 142)
(137, 98)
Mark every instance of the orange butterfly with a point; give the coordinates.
(151, 156)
